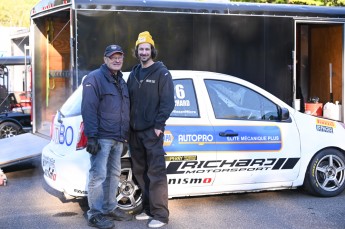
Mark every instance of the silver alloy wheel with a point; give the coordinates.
(8, 129)
(129, 195)
(330, 172)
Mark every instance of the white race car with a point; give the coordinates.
(225, 135)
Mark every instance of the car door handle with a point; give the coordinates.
(228, 133)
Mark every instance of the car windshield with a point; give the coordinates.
(72, 106)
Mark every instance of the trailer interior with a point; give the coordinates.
(320, 63)
(53, 78)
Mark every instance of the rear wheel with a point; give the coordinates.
(326, 174)
(129, 195)
(9, 129)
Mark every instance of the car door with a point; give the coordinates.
(186, 139)
(253, 145)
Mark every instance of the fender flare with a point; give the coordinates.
(12, 121)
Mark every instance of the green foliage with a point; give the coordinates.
(16, 12)
(340, 3)
(307, 2)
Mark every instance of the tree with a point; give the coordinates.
(16, 13)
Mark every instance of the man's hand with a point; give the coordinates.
(158, 132)
(92, 146)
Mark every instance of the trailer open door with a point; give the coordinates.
(319, 65)
(52, 64)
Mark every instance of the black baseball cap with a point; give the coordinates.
(111, 49)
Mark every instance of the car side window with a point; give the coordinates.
(234, 101)
(185, 99)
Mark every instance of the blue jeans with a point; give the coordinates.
(104, 176)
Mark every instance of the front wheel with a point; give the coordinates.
(128, 195)
(326, 174)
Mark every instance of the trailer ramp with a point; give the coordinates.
(20, 148)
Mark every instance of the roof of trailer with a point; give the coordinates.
(192, 6)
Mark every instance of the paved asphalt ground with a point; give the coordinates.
(27, 202)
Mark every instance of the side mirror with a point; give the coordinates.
(284, 114)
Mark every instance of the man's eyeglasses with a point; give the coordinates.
(116, 58)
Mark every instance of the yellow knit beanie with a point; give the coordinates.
(145, 37)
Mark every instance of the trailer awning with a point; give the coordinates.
(20, 148)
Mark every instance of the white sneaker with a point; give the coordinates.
(142, 216)
(155, 223)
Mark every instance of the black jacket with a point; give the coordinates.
(105, 105)
(152, 100)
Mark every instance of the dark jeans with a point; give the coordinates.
(149, 169)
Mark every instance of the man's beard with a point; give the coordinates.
(145, 59)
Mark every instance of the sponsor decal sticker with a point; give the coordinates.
(181, 158)
(168, 138)
(80, 191)
(326, 126)
(226, 166)
(190, 181)
(208, 138)
(63, 135)
(48, 165)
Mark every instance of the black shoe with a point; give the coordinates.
(120, 215)
(101, 222)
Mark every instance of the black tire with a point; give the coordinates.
(9, 129)
(325, 175)
(129, 195)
